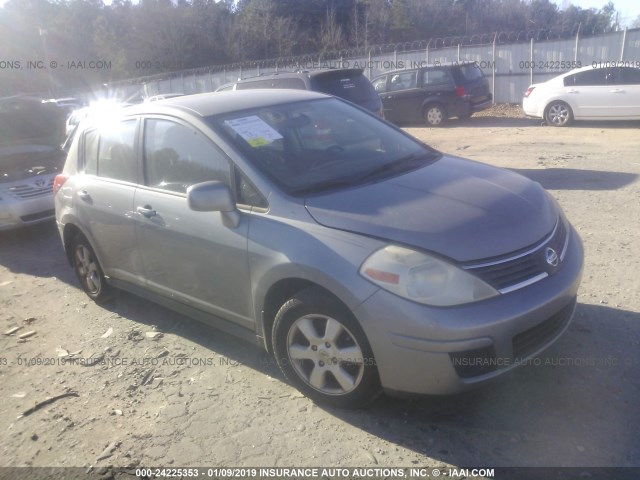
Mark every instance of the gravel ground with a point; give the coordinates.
(148, 387)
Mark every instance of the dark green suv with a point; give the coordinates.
(433, 93)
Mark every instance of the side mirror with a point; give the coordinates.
(214, 197)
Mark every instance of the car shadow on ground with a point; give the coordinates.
(570, 406)
(37, 251)
(577, 179)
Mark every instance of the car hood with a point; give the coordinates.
(458, 208)
(18, 162)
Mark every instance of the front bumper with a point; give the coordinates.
(431, 350)
(16, 213)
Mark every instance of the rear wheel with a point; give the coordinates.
(435, 115)
(323, 352)
(88, 270)
(558, 114)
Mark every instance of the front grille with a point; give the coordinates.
(521, 269)
(527, 342)
(38, 216)
(31, 190)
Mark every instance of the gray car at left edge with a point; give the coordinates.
(362, 259)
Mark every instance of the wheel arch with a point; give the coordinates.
(278, 294)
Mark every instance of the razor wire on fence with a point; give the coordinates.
(512, 61)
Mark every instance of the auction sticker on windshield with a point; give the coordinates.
(254, 130)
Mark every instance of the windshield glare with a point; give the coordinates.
(320, 144)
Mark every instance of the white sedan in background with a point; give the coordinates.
(596, 92)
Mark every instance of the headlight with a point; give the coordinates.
(423, 278)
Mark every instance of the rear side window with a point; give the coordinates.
(594, 77)
(116, 151)
(435, 77)
(177, 156)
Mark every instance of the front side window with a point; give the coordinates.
(116, 157)
(318, 145)
(380, 84)
(177, 156)
(629, 76)
(403, 81)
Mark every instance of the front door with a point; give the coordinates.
(189, 256)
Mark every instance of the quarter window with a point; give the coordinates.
(91, 141)
(177, 156)
(435, 77)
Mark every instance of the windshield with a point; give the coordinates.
(319, 145)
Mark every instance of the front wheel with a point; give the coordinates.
(88, 270)
(558, 114)
(435, 115)
(323, 352)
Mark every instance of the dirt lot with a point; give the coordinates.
(196, 397)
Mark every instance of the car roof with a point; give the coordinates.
(214, 103)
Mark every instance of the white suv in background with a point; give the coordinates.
(596, 92)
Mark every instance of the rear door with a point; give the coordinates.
(189, 256)
(591, 94)
(104, 193)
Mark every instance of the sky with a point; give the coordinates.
(628, 10)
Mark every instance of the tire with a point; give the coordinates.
(88, 270)
(435, 115)
(558, 114)
(323, 352)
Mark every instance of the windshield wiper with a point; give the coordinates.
(406, 163)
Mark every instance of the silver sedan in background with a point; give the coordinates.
(361, 258)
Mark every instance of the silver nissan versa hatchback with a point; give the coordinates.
(359, 257)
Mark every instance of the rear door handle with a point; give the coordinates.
(147, 211)
(84, 195)
(617, 90)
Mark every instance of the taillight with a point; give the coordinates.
(58, 182)
(459, 91)
(528, 92)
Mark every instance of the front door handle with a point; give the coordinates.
(147, 211)
(617, 90)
